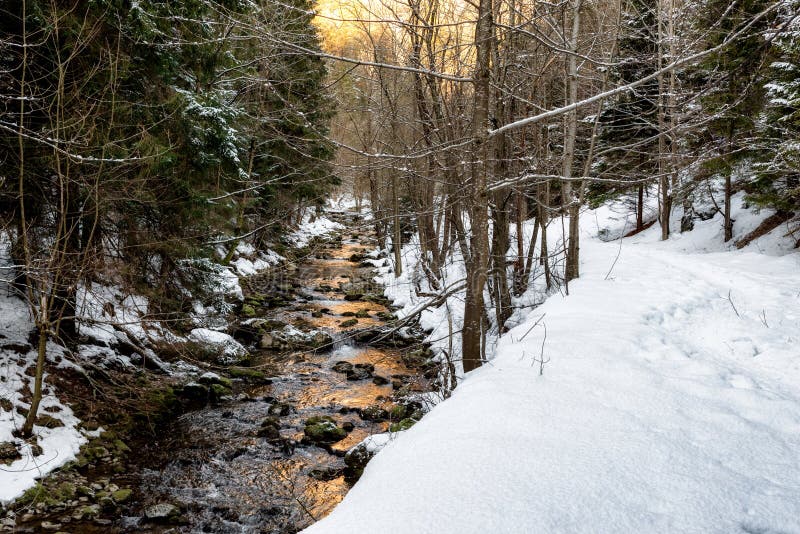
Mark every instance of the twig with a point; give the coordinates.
(619, 251)
(532, 327)
(732, 305)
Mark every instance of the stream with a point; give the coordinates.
(227, 472)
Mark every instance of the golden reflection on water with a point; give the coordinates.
(347, 250)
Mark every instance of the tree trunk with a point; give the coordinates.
(397, 244)
(640, 209)
(663, 178)
(572, 267)
(500, 246)
(30, 419)
(472, 346)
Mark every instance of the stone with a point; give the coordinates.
(323, 430)
(361, 371)
(48, 525)
(280, 409)
(162, 512)
(194, 392)
(356, 460)
(209, 379)
(48, 421)
(349, 323)
(326, 474)
(87, 512)
(217, 391)
(343, 367)
(9, 452)
(380, 381)
(404, 424)
(374, 413)
(121, 495)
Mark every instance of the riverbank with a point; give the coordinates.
(259, 443)
(660, 395)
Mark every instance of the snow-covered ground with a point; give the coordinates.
(17, 360)
(669, 402)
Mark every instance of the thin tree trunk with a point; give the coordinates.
(572, 267)
(396, 236)
(30, 418)
(472, 334)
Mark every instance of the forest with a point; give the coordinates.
(399, 266)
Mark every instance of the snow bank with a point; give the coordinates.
(59, 445)
(312, 226)
(669, 402)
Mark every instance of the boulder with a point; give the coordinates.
(361, 371)
(323, 429)
(227, 350)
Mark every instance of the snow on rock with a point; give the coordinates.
(231, 351)
(669, 402)
(312, 226)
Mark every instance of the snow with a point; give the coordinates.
(312, 226)
(231, 349)
(59, 445)
(669, 401)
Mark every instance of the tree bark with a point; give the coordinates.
(472, 346)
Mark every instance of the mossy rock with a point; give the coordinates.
(349, 323)
(363, 314)
(256, 298)
(404, 424)
(122, 495)
(374, 413)
(121, 447)
(248, 310)
(95, 453)
(211, 379)
(87, 512)
(397, 412)
(385, 316)
(194, 393)
(323, 430)
(244, 373)
(217, 391)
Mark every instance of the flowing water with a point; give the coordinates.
(224, 476)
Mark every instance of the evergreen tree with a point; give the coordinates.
(629, 126)
(777, 182)
(735, 93)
